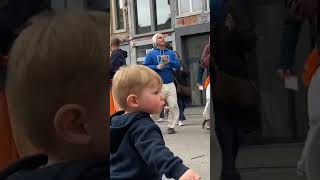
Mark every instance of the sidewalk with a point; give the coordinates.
(270, 162)
(261, 162)
(191, 143)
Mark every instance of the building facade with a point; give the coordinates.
(192, 30)
(119, 25)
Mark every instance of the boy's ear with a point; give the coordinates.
(132, 101)
(70, 124)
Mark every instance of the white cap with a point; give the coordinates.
(154, 40)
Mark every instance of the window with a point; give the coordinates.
(163, 20)
(118, 17)
(151, 15)
(142, 16)
(142, 51)
(190, 6)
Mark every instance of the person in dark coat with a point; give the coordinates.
(117, 59)
(183, 91)
(234, 94)
(118, 56)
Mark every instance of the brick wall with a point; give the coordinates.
(193, 20)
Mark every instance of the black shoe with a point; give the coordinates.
(171, 131)
(204, 122)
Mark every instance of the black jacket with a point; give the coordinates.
(117, 59)
(29, 169)
(138, 151)
(232, 47)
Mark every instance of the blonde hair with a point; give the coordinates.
(132, 79)
(58, 59)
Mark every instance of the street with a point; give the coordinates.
(262, 162)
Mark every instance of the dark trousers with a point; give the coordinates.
(200, 74)
(227, 134)
(162, 113)
(182, 101)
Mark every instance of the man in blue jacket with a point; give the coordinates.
(164, 62)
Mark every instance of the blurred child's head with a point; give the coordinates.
(56, 85)
(115, 43)
(138, 88)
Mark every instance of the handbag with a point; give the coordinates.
(183, 90)
(235, 91)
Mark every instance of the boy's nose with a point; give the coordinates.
(162, 97)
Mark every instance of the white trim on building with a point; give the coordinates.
(115, 17)
(206, 7)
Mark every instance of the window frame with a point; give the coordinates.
(191, 11)
(152, 8)
(115, 18)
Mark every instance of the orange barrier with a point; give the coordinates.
(112, 105)
(311, 65)
(8, 153)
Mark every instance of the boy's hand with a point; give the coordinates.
(190, 175)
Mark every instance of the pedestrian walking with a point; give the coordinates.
(164, 62)
(206, 112)
(182, 83)
(117, 59)
(309, 162)
(235, 96)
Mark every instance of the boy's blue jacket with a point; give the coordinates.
(152, 59)
(138, 151)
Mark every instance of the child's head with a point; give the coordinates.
(115, 43)
(138, 88)
(56, 86)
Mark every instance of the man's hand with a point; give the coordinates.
(160, 66)
(190, 175)
(284, 73)
(164, 59)
(230, 24)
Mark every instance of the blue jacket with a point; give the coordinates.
(152, 59)
(138, 151)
